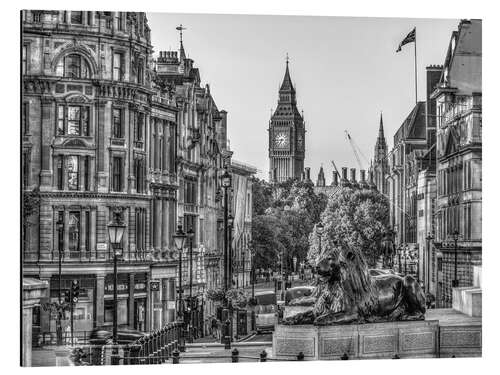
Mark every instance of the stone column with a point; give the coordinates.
(66, 233)
(157, 223)
(171, 296)
(131, 311)
(83, 233)
(47, 134)
(164, 225)
(93, 214)
(99, 300)
(27, 333)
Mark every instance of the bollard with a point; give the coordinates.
(263, 356)
(344, 357)
(227, 334)
(300, 356)
(175, 357)
(234, 355)
(396, 356)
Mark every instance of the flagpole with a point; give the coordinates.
(415, 45)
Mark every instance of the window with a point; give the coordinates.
(24, 59)
(140, 72)
(117, 173)
(86, 170)
(190, 192)
(119, 22)
(74, 232)
(78, 120)
(36, 16)
(139, 126)
(72, 169)
(26, 120)
(117, 123)
(59, 169)
(73, 66)
(76, 17)
(139, 175)
(26, 169)
(117, 66)
(89, 18)
(60, 120)
(87, 230)
(190, 223)
(140, 229)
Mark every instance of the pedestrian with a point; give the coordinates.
(214, 325)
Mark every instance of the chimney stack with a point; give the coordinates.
(353, 181)
(371, 183)
(344, 181)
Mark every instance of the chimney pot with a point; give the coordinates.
(353, 174)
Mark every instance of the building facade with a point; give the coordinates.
(107, 129)
(286, 135)
(86, 143)
(459, 160)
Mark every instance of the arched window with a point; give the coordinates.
(73, 66)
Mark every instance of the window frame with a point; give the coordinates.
(121, 132)
(69, 174)
(120, 68)
(75, 13)
(84, 121)
(117, 183)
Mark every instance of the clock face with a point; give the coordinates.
(281, 140)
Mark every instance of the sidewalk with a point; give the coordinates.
(51, 356)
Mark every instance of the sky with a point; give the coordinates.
(345, 71)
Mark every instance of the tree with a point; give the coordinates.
(286, 215)
(262, 195)
(355, 218)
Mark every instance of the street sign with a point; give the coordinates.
(154, 286)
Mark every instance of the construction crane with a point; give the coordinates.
(357, 151)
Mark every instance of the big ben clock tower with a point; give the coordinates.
(286, 135)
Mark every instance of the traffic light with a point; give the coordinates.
(75, 290)
(67, 296)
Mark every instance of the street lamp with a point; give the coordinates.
(230, 223)
(179, 239)
(116, 228)
(190, 236)
(60, 229)
(319, 231)
(456, 233)
(226, 181)
(428, 258)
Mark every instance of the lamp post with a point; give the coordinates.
(400, 249)
(116, 228)
(60, 229)
(190, 236)
(226, 181)
(319, 231)
(406, 259)
(456, 233)
(243, 266)
(179, 239)
(427, 268)
(230, 223)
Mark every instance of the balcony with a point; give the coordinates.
(95, 256)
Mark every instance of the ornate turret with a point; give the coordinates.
(320, 182)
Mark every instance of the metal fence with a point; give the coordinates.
(155, 348)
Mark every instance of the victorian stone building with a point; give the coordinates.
(459, 160)
(87, 139)
(106, 128)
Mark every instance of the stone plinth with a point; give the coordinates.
(468, 300)
(444, 333)
(358, 341)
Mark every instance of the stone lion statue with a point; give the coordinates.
(346, 293)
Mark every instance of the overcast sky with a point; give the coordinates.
(345, 71)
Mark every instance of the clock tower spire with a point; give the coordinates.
(286, 135)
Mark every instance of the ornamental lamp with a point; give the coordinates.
(116, 228)
(226, 179)
(179, 238)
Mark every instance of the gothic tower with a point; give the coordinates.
(380, 166)
(286, 135)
